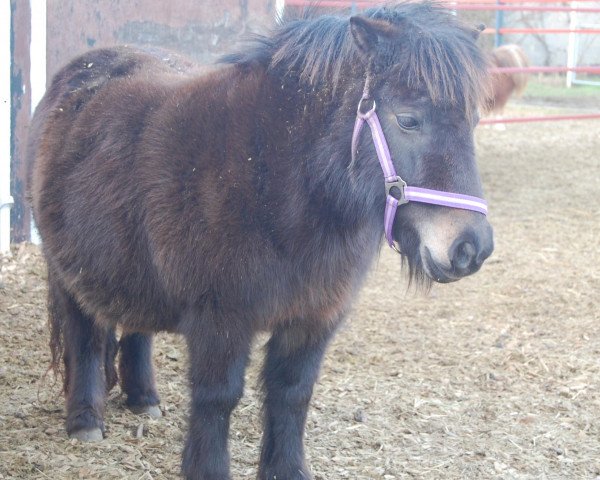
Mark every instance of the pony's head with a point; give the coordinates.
(422, 68)
(427, 78)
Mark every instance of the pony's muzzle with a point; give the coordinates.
(455, 245)
(468, 252)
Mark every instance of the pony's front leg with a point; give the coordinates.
(291, 368)
(219, 350)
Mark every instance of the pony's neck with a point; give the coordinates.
(300, 143)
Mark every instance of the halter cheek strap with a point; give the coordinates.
(394, 182)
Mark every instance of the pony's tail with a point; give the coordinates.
(60, 306)
(56, 324)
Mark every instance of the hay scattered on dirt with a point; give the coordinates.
(496, 376)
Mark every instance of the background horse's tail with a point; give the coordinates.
(512, 55)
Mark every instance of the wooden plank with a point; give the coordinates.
(20, 114)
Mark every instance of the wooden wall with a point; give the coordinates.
(202, 29)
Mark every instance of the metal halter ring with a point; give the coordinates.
(400, 185)
(369, 112)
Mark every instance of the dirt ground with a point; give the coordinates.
(496, 376)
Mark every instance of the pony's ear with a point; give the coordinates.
(368, 32)
(477, 31)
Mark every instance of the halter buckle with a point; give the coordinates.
(400, 185)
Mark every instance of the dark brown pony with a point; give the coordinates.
(221, 204)
(505, 85)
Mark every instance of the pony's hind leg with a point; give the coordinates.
(112, 347)
(137, 374)
(82, 344)
(291, 367)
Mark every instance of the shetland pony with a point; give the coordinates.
(504, 85)
(217, 205)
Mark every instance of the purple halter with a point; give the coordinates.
(407, 194)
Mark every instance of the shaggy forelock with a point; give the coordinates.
(437, 54)
(433, 52)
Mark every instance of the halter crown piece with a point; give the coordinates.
(393, 181)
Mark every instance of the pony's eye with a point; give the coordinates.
(406, 122)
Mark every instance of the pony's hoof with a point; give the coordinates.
(88, 435)
(153, 411)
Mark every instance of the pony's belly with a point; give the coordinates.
(111, 306)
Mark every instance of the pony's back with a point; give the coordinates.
(78, 82)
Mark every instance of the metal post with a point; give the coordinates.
(572, 47)
(279, 9)
(37, 55)
(38, 51)
(499, 24)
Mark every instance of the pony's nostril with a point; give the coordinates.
(463, 257)
(484, 254)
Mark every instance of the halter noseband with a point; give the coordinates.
(393, 181)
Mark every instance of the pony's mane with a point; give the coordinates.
(312, 48)
(434, 51)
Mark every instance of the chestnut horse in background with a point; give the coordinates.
(505, 85)
(218, 205)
